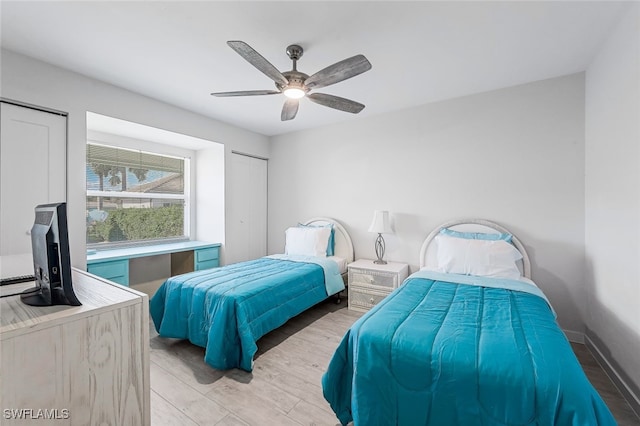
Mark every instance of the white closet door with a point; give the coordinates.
(32, 171)
(247, 214)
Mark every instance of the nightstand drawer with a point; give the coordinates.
(365, 298)
(381, 279)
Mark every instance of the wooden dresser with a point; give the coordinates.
(76, 365)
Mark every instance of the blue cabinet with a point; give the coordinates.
(206, 258)
(114, 264)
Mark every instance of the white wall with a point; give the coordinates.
(612, 203)
(514, 156)
(210, 198)
(30, 81)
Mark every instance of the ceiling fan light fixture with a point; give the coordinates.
(293, 92)
(296, 85)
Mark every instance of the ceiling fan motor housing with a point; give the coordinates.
(296, 79)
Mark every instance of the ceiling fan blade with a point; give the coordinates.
(246, 93)
(258, 61)
(336, 102)
(338, 72)
(289, 110)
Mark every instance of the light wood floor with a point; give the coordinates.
(284, 387)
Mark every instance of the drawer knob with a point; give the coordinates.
(372, 300)
(371, 280)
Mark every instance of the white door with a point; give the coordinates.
(32, 171)
(247, 214)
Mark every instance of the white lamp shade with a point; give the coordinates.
(380, 224)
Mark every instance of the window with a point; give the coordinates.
(135, 196)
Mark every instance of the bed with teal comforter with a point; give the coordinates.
(226, 310)
(441, 352)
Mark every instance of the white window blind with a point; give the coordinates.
(135, 196)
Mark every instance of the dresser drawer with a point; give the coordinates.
(380, 279)
(363, 299)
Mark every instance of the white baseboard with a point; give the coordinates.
(574, 336)
(621, 384)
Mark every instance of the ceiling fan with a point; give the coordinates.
(296, 85)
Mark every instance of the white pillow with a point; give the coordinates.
(307, 241)
(496, 259)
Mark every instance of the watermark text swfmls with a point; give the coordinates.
(36, 413)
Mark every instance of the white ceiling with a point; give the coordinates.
(421, 52)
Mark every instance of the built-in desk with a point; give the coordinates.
(186, 256)
(76, 365)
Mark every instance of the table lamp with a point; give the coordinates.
(380, 225)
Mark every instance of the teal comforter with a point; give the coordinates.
(226, 310)
(442, 353)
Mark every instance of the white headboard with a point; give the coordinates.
(343, 244)
(428, 252)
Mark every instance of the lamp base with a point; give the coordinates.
(380, 250)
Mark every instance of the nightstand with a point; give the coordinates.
(369, 282)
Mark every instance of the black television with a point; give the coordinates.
(51, 260)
